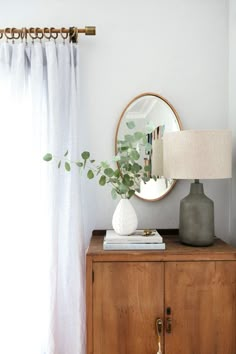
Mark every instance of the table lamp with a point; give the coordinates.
(197, 154)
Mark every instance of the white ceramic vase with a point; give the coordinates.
(124, 220)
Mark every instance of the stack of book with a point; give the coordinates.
(137, 241)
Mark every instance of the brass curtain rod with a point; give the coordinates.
(39, 33)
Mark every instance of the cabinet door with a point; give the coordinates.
(127, 299)
(202, 297)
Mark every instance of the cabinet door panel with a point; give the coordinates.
(127, 299)
(202, 297)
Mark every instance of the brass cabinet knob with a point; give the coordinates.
(159, 326)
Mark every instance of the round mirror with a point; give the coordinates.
(150, 108)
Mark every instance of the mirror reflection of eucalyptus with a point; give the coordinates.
(145, 108)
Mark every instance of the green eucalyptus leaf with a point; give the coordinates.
(59, 164)
(117, 173)
(113, 193)
(130, 124)
(116, 158)
(127, 180)
(148, 147)
(138, 135)
(129, 138)
(125, 143)
(131, 192)
(85, 155)
(136, 167)
(102, 180)
(104, 164)
(129, 167)
(145, 140)
(79, 164)
(150, 127)
(67, 166)
(90, 174)
(47, 157)
(147, 168)
(66, 153)
(123, 188)
(124, 148)
(109, 172)
(134, 155)
(123, 159)
(92, 161)
(154, 177)
(145, 178)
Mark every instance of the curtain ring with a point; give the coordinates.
(45, 33)
(64, 35)
(12, 35)
(16, 35)
(5, 33)
(24, 34)
(38, 33)
(53, 35)
(73, 33)
(76, 34)
(31, 29)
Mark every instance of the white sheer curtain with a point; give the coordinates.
(41, 232)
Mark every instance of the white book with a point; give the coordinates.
(137, 237)
(133, 246)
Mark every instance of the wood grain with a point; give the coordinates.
(89, 305)
(127, 299)
(202, 300)
(225, 307)
(174, 251)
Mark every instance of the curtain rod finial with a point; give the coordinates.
(90, 30)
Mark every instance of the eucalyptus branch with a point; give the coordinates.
(125, 179)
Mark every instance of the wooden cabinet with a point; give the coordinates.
(202, 296)
(125, 297)
(192, 290)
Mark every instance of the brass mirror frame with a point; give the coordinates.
(119, 123)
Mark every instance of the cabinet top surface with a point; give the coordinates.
(174, 250)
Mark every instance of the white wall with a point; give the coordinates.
(177, 48)
(232, 111)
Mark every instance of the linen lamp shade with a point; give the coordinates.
(197, 154)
